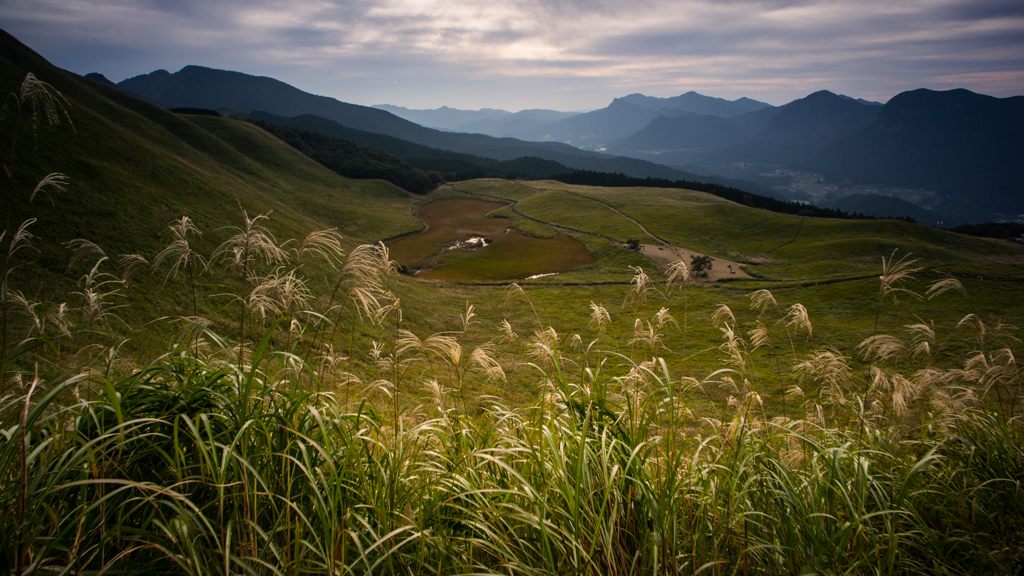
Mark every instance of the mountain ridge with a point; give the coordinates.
(202, 87)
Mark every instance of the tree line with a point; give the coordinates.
(619, 180)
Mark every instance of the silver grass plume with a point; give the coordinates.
(678, 272)
(252, 241)
(29, 308)
(55, 181)
(21, 239)
(45, 102)
(760, 336)
(467, 317)
(722, 315)
(179, 252)
(831, 369)
(945, 285)
(323, 243)
(483, 358)
(599, 316)
(507, 334)
(278, 293)
(894, 274)
(128, 264)
(798, 319)
(640, 289)
(923, 337)
(97, 306)
(761, 300)
(663, 317)
(883, 347)
(82, 250)
(648, 336)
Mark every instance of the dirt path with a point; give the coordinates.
(791, 240)
(624, 215)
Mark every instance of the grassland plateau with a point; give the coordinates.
(211, 364)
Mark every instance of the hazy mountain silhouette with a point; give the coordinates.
(788, 135)
(885, 207)
(593, 130)
(818, 119)
(698, 104)
(797, 131)
(630, 114)
(967, 146)
(674, 140)
(490, 121)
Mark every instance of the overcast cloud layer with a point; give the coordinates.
(559, 54)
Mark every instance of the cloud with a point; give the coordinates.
(567, 54)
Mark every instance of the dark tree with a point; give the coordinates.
(633, 244)
(700, 265)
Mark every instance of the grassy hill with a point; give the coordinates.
(133, 166)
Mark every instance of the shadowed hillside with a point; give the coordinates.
(967, 146)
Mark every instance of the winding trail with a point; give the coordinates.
(791, 240)
(624, 215)
(512, 206)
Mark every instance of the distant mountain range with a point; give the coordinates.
(962, 148)
(199, 87)
(490, 121)
(787, 135)
(622, 117)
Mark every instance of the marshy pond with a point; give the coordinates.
(461, 243)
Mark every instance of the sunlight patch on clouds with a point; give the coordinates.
(598, 47)
(992, 82)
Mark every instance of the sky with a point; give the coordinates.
(569, 55)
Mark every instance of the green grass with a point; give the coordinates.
(578, 213)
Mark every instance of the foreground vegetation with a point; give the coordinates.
(217, 457)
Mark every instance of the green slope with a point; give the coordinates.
(133, 166)
(778, 247)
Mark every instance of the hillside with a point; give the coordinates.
(964, 145)
(459, 166)
(351, 160)
(466, 165)
(556, 393)
(128, 156)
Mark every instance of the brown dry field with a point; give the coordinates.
(510, 256)
(448, 221)
(514, 256)
(720, 268)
